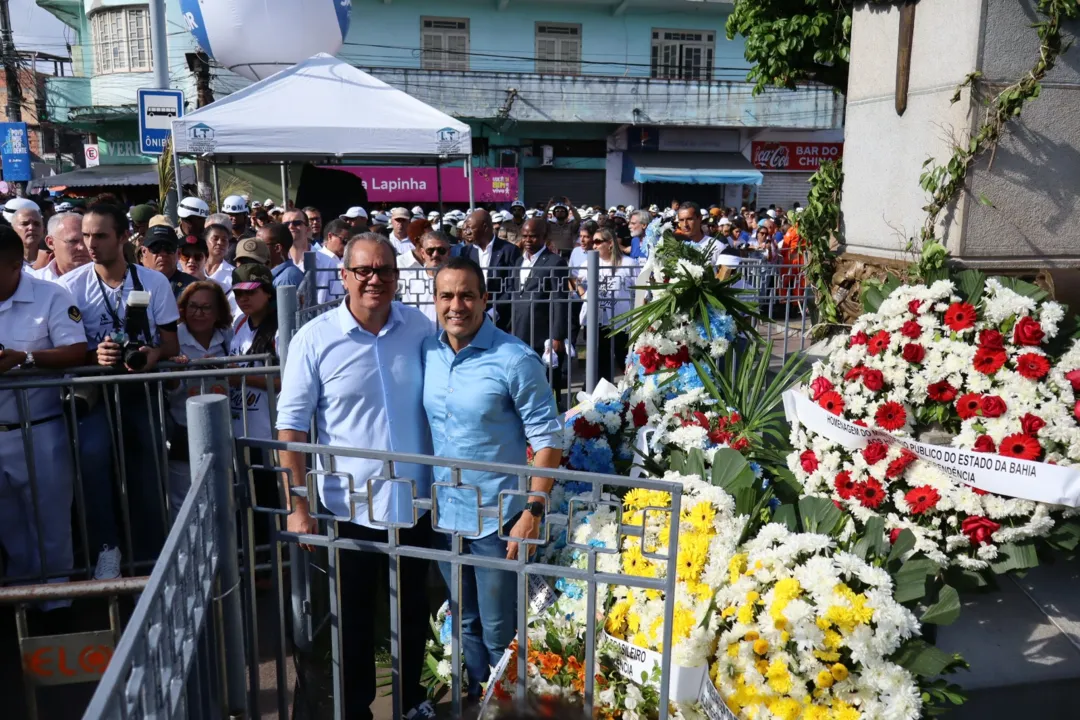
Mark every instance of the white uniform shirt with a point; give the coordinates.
(363, 391)
(84, 286)
(40, 315)
(256, 400)
(223, 275)
(192, 349)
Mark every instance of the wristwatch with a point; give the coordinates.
(29, 361)
(536, 507)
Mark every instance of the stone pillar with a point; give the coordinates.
(1034, 221)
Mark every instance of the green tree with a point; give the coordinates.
(794, 41)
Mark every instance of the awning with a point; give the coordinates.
(110, 175)
(704, 168)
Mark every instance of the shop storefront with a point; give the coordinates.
(787, 166)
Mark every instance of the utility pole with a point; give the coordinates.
(159, 45)
(199, 65)
(11, 76)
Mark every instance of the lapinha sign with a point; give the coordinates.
(420, 184)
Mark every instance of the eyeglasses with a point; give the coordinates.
(435, 251)
(200, 309)
(386, 273)
(296, 223)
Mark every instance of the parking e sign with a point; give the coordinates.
(157, 110)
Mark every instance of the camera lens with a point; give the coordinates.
(135, 359)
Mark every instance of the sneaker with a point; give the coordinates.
(423, 711)
(108, 563)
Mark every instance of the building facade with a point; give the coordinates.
(604, 101)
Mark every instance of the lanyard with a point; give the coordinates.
(118, 324)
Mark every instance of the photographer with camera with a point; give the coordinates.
(130, 317)
(39, 327)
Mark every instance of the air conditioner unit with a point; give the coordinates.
(548, 155)
(508, 159)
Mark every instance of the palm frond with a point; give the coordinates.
(166, 173)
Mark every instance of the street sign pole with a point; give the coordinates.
(159, 44)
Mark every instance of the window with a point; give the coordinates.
(558, 48)
(121, 38)
(444, 43)
(682, 54)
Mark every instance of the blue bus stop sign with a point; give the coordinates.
(157, 110)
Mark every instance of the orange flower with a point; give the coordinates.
(501, 693)
(549, 664)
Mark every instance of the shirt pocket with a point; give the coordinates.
(33, 335)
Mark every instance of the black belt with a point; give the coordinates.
(17, 426)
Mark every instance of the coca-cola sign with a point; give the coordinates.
(793, 156)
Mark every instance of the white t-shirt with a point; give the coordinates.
(193, 350)
(616, 290)
(223, 275)
(256, 400)
(336, 289)
(48, 273)
(579, 261)
(83, 284)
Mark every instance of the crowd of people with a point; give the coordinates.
(447, 335)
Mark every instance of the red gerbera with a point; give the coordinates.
(879, 343)
(639, 414)
(913, 306)
(809, 461)
(984, 444)
(720, 437)
(988, 362)
(1020, 446)
(740, 444)
(874, 452)
(858, 338)
(914, 353)
(960, 316)
(870, 493)
(1032, 366)
(911, 329)
(922, 499)
(968, 405)
(832, 402)
(1031, 424)
(899, 465)
(941, 391)
(979, 529)
(891, 416)
(585, 429)
(845, 486)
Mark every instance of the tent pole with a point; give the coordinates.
(284, 187)
(438, 185)
(217, 193)
(468, 177)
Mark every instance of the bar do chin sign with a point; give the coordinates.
(793, 156)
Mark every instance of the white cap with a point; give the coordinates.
(532, 213)
(772, 214)
(629, 209)
(517, 203)
(461, 224)
(234, 204)
(620, 214)
(277, 211)
(355, 212)
(704, 212)
(268, 203)
(193, 206)
(417, 210)
(16, 204)
(723, 221)
(382, 218)
(654, 209)
(256, 205)
(612, 209)
(64, 207)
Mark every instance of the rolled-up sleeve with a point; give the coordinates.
(300, 387)
(535, 402)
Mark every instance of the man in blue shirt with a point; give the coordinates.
(487, 398)
(354, 372)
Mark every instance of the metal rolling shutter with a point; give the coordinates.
(783, 189)
(583, 187)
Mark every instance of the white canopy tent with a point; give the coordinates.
(321, 110)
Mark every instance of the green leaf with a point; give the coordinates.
(872, 543)
(912, 578)
(1015, 556)
(730, 470)
(971, 284)
(921, 658)
(819, 515)
(785, 515)
(905, 542)
(945, 610)
(1026, 289)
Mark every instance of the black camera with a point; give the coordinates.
(136, 332)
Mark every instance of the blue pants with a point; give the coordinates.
(97, 474)
(488, 606)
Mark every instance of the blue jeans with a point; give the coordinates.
(488, 605)
(98, 490)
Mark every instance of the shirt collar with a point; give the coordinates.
(537, 254)
(25, 291)
(482, 340)
(348, 323)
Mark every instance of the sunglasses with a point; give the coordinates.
(435, 251)
(296, 223)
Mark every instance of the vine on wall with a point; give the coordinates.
(818, 224)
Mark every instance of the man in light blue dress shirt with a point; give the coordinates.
(355, 372)
(487, 398)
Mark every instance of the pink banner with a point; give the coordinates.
(418, 184)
